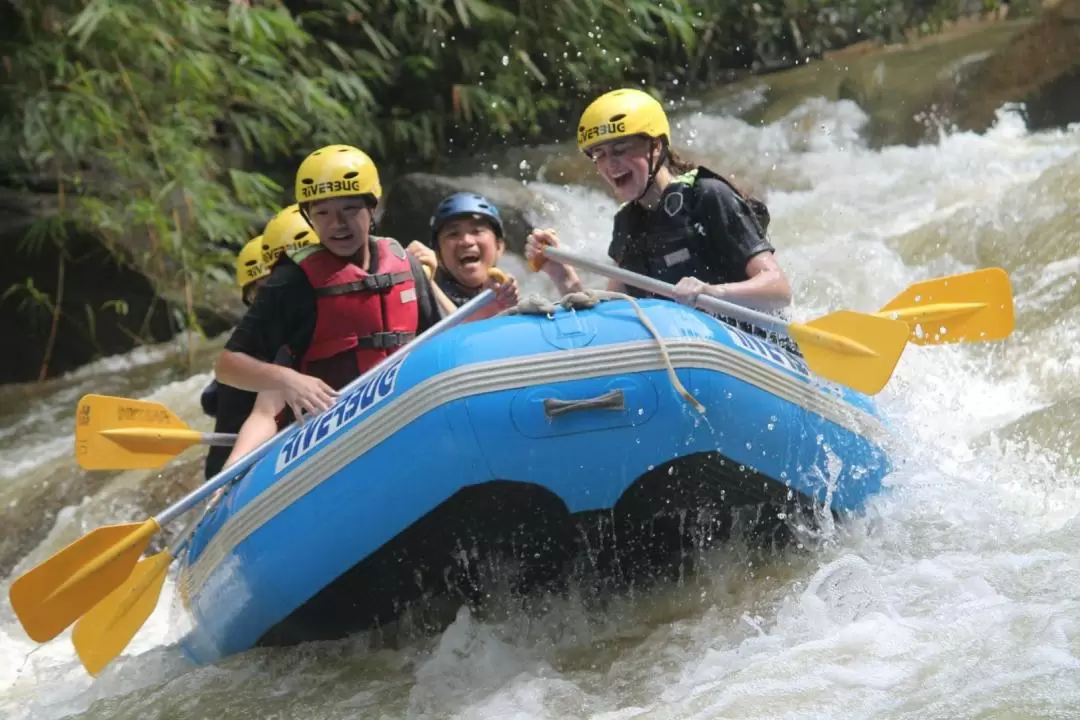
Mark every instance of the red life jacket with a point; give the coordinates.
(361, 318)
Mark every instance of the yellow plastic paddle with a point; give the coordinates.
(964, 308)
(102, 634)
(969, 307)
(52, 595)
(851, 348)
(114, 432)
(62, 588)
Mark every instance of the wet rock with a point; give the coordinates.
(899, 87)
(406, 209)
(1039, 67)
(106, 304)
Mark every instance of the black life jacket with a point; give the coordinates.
(673, 242)
(209, 398)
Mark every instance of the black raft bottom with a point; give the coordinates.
(525, 532)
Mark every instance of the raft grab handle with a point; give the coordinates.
(613, 400)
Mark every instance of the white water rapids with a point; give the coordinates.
(957, 595)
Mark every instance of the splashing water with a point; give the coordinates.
(954, 595)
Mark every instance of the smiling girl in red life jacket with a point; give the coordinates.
(339, 306)
(468, 237)
(678, 223)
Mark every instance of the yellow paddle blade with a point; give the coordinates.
(51, 596)
(851, 348)
(114, 433)
(968, 307)
(103, 633)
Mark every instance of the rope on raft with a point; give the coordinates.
(585, 299)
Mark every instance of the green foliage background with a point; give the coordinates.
(170, 128)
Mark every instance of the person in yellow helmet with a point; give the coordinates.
(339, 307)
(285, 233)
(679, 223)
(251, 269)
(227, 405)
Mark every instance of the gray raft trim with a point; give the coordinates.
(498, 375)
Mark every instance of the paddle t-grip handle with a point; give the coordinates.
(222, 478)
(659, 287)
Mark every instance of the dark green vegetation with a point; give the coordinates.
(167, 130)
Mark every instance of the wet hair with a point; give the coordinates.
(677, 164)
(680, 165)
(247, 295)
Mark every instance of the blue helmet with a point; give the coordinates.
(464, 203)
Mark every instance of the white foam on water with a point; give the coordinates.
(953, 595)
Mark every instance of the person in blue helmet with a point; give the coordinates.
(468, 239)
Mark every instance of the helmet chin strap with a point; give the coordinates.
(653, 169)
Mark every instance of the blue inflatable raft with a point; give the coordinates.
(516, 432)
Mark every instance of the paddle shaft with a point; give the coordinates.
(218, 439)
(659, 287)
(222, 478)
(181, 434)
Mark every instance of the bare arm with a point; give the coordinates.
(767, 289)
(445, 303)
(303, 393)
(430, 263)
(260, 426)
(245, 372)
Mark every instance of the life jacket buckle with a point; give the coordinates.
(385, 340)
(381, 282)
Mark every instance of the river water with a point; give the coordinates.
(954, 596)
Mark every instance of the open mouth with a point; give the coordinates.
(622, 179)
(469, 259)
(342, 237)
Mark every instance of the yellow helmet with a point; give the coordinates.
(621, 113)
(336, 171)
(286, 231)
(249, 263)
